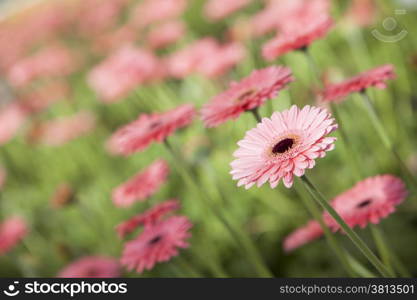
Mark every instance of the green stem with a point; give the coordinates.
(383, 250)
(357, 241)
(256, 115)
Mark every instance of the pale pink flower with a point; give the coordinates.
(157, 243)
(143, 185)
(369, 201)
(250, 93)
(220, 9)
(138, 135)
(166, 34)
(12, 117)
(362, 12)
(12, 231)
(117, 38)
(92, 267)
(283, 146)
(303, 235)
(149, 12)
(122, 72)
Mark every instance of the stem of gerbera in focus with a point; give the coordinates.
(242, 239)
(359, 243)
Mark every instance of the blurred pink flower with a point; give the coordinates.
(157, 243)
(362, 12)
(166, 34)
(12, 231)
(149, 12)
(369, 201)
(376, 77)
(142, 185)
(52, 61)
(148, 218)
(283, 146)
(220, 9)
(92, 267)
(12, 117)
(303, 235)
(60, 131)
(122, 72)
(117, 38)
(148, 128)
(250, 93)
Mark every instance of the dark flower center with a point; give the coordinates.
(245, 95)
(283, 146)
(154, 124)
(155, 240)
(364, 203)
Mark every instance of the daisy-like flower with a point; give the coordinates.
(369, 201)
(12, 117)
(250, 93)
(92, 267)
(142, 185)
(148, 218)
(149, 128)
(283, 146)
(157, 243)
(376, 77)
(303, 235)
(166, 34)
(12, 231)
(219, 9)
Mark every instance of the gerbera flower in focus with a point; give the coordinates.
(148, 218)
(376, 77)
(122, 72)
(219, 9)
(250, 93)
(152, 11)
(142, 185)
(303, 235)
(12, 117)
(148, 128)
(62, 130)
(157, 243)
(283, 146)
(12, 231)
(166, 34)
(92, 267)
(368, 201)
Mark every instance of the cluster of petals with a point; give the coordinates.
(376, 77)
(283, 146)
(12, 231)
(157, 243)
(250, 93)
(148, 218)
(92, 267)
(12, 118)
(303, 235)
(148, 128)
(166, 34)
(219, 9)
(122, 72)
(369, 201)
(60, 131)
(143, 185)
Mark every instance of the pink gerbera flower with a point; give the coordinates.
(219, 9)
(166, 34)
(92, 267)
(142, 185)
(139, 134)
(157, 243)
(248, 94)
(368, 201)
(148, 218)
(303, 235)
(376, 77)
(12, 117)
(283, 146)
(12, 231)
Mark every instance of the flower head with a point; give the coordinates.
(283, 146)
(303, 235)
(139, 134)
(92, 267)
(148, 218)
(157, 243)
(376, 77)
(368, 201)
(250, 93)
(12, 231)
(12, 117)
(219, 9)
(142, 185)
(166, 34)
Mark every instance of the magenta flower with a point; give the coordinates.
(303, 235)
(12, 231)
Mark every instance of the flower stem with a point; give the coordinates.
(242, 239)
(357, 241)
(256, 115)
